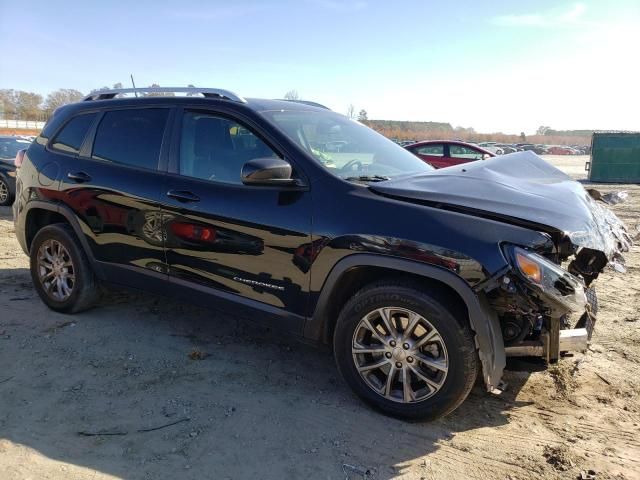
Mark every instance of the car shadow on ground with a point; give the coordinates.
(159, 388)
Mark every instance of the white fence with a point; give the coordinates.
(31, 124)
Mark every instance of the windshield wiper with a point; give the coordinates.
(367, 178)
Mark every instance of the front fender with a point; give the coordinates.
(482, 319)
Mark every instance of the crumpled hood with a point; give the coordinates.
(521, 186)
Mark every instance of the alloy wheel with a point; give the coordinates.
(4, 192)
(55, 270)
(400, 354)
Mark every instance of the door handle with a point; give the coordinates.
(78, 177)
(183, 196)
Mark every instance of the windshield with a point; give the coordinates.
(9, 147)
(345, 147)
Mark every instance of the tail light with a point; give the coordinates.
(19, 158)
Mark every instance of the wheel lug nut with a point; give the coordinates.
(388, 354)
(392, 343)
(398, 365)
(406, 346)
(410, 359)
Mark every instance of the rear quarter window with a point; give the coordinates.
(72, 134)
(131, 137)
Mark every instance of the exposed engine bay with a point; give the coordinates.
(547, 309)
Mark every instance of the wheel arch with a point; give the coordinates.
(39, 214)
(353, 272)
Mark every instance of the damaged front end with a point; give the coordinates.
(543, 296)
(545, 309)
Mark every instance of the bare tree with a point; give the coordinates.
(362, 115)
(28, 106)
(351, 111)
(8, 101)
(292, 95)
(61, 97)
(542, 130)
(21, 105)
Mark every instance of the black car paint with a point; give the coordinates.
(286, 248)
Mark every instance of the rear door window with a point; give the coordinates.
(72, 134)
(434, 150)
(459, 151)
(131, 137)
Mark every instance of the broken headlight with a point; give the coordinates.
(548, 278)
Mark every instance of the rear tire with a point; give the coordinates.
(5, 194)
(60, 270)
(425, 351)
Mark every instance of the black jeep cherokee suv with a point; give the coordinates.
(294, 215)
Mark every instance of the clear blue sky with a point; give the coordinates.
(494, 65)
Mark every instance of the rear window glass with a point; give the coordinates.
(72, 134)
(459, 151)
(131, 137)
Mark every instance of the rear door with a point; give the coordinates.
(113, 185)
(246, 244)
(434, 153)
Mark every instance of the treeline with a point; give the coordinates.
(22, 105)
(410, 126)
(568, 133)
(405, 131)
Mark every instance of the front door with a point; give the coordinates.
(243, 243)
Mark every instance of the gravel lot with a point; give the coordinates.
(245, 402)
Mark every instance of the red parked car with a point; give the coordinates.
(561, 150)
(444, 153)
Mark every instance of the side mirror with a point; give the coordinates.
(267, 171)
(486, 156)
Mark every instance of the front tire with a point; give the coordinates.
(403, 352)
(60, 270)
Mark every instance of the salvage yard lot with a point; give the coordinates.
(190, 393)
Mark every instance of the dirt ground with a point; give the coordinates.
(246, 403)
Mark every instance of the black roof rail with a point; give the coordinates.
(206, 92)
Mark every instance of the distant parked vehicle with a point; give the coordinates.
(582, 149)
(492, 147)
(506, 148)
(538, 149)
(445, 153)
(9, 148)
(561, 150)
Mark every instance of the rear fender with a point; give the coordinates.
(68, 214)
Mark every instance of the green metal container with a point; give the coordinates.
(615, 157)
